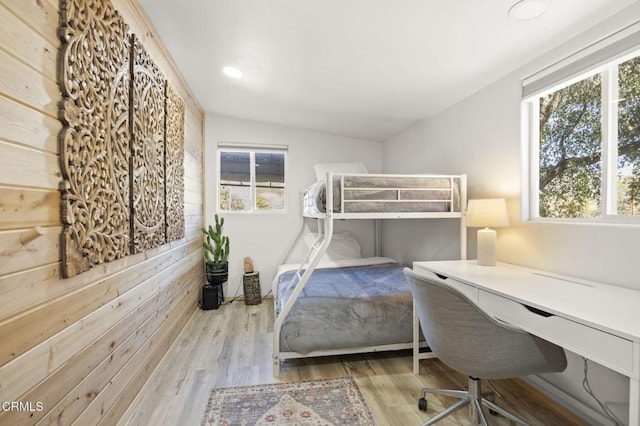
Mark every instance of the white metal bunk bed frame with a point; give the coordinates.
(319, 247)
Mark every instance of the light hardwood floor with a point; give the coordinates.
(231, 346)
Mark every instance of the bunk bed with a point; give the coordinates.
(333, 303)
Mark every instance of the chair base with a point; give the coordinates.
(475, 399)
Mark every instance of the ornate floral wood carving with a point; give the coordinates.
(147, 184)
(122, 156)
(174, 165)
(94, 142)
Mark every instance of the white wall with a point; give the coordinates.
(264, 237)
(480, 136)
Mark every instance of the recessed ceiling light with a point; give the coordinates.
(527, 9)
(233, 72)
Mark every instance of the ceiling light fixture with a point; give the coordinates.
(233, 72)
(524, 10)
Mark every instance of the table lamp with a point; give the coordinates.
(487, 213)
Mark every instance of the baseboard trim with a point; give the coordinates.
(581, 409)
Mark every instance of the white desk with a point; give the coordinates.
(598, 321)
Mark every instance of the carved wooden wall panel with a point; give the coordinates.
(174, 165)
(122, 143)
(94, 143)
(147, 185)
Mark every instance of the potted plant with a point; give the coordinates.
(216, 255)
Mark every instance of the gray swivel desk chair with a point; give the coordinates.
(472, 342)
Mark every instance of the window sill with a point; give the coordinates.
(632, 222)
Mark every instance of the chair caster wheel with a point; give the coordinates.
(422, 404)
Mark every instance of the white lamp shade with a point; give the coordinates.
(491, 212)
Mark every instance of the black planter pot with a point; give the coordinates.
(217, 276)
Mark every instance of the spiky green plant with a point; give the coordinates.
(216, 245)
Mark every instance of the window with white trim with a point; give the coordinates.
(251, 178)
(584, 136)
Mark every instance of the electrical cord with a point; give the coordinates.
(234, 296)
(587, 387)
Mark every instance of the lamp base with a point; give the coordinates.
(486, 247)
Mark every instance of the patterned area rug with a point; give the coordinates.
(330, 402)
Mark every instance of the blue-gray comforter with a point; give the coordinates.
(348, 307)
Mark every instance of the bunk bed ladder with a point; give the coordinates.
(292, 243)
(311, 252)
(313, 256)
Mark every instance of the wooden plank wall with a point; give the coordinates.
(79, 349)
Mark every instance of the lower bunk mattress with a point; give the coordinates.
(348, 307)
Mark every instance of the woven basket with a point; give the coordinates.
(251, 287)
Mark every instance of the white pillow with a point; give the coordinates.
(342, 246)
(322, 169)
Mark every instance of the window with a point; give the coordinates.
(251, 178)
(584, 133)
(569, 160)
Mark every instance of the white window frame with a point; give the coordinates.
(530, 134)
(252, 150)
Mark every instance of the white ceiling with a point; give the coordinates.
(361, 68)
